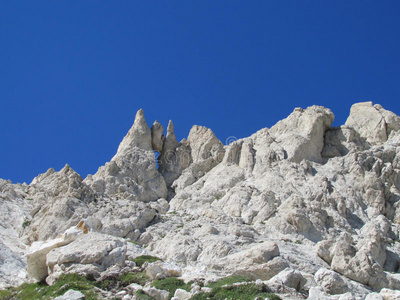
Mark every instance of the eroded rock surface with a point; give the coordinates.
(307, 209)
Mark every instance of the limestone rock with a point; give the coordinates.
(204, 145)
(331, 281)
(317, 294)
(174, 157)
(71, 295)
(203, 152)
(157, 137)
(37, 253)
(160, 270)
(91, 253)
(15, 206)
(302, 133)
(63, 200)
(374, 296)
(296, 202)
(289, 278)
(341, 140)
(156, 293)
(372, 122)
(182, 294)
(389, 294)
(132, 173)
(139, 136)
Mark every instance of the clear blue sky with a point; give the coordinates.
(74, 73)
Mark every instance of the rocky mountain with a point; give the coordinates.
(301, 209)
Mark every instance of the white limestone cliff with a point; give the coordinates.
(309, 210)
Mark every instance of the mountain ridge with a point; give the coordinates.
(304, 207)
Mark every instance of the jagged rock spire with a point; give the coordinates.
(157, 137)
(138, 136)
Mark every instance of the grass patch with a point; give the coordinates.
(28, 291)
(171, 284)
(6, 294)
(143, 296)
(243, 292)
(299, 242)
(138, 277)
(229, 280)
(133, 242)
(140, 260)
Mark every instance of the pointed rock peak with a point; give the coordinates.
(139, 118)
(138, 136)
(170, 143)
(170, 128)
(157, 125)
(200, 132)
(157, 137)
(66, 169)
(204, 143)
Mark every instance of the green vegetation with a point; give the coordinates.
(142, 296)
(244, 292)
(299, 242)
(43, 291)
(138, 277)
(6, 294)
(220, 289)
(171, 284)
(26, 224)
(133, 242)
(225, 289)
(140, 260)
(229, 280)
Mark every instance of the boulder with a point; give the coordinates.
(330, 281)
(71, 295)
(289, 278)
(89, 254)
(160, 270)
(37, 253)
(389, 294)
(156, 293)
(182, 294)
(372, 122)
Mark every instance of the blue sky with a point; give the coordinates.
(74, 73)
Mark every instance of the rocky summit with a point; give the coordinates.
(301, 210)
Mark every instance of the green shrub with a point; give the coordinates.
(243, 292)
(26, 224)
(138, 277)
(229, 280)
(5, 294)
(142, 296)
(140, 260)
(65, 282)
(171, 284)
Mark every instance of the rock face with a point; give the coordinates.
(372, 122)
(15, 207)
(309, 210)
